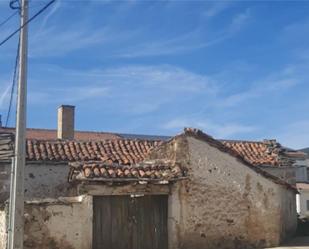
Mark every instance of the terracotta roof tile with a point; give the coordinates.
(119, 151)
(127, 152)
(147, 170)
(100, 146)
(266, 153)
(253, 152)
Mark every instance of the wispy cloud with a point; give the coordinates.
(142, 90)
(59, 40)
(215, 8)
(215, 129)
(130, 89)
(66, 95)
(52, 42)
(282, 80)
(295, 134)
(53, 10)
(185, 42)
(181, 44)
(4, 97)
(239, 21)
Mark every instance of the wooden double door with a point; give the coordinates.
(126, 222)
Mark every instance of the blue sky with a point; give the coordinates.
(235, 69)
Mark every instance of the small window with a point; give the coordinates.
(307, 205)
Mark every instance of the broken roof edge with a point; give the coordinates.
(199, 134)
(6, 146)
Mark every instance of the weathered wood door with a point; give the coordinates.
(124, 222)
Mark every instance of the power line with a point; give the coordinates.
(8, 18)
(13, 85)
(29, 20)
(13, 6)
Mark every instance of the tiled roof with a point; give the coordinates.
(302, 186)
(115, 148)
(121, 151)
(256, 153)
(127, 151)
(266, 153)
(145, 171)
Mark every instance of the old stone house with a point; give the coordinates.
(190, 191)
(287, 164)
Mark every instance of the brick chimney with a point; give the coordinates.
(66, 122)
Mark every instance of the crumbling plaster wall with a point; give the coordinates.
(224, 203)
(65, 224)
(42, 180)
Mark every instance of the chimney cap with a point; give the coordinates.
(69, 106)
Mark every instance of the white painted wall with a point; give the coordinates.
(302, 203)
(63, 223)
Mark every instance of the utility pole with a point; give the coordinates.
(16, 231)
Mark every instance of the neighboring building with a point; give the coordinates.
(287, 164)
(190, 191)
(303, 200)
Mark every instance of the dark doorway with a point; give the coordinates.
(126, 222)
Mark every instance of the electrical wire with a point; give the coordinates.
(29, 20)
(12, 6)
(8, 18)
(13, 85)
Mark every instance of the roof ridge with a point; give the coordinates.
(93, 140)
(240, 140)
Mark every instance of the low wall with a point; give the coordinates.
(64, 223)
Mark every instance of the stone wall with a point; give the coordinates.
(4, 182)
(55, 224)
(225, 204)
(48, 180)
